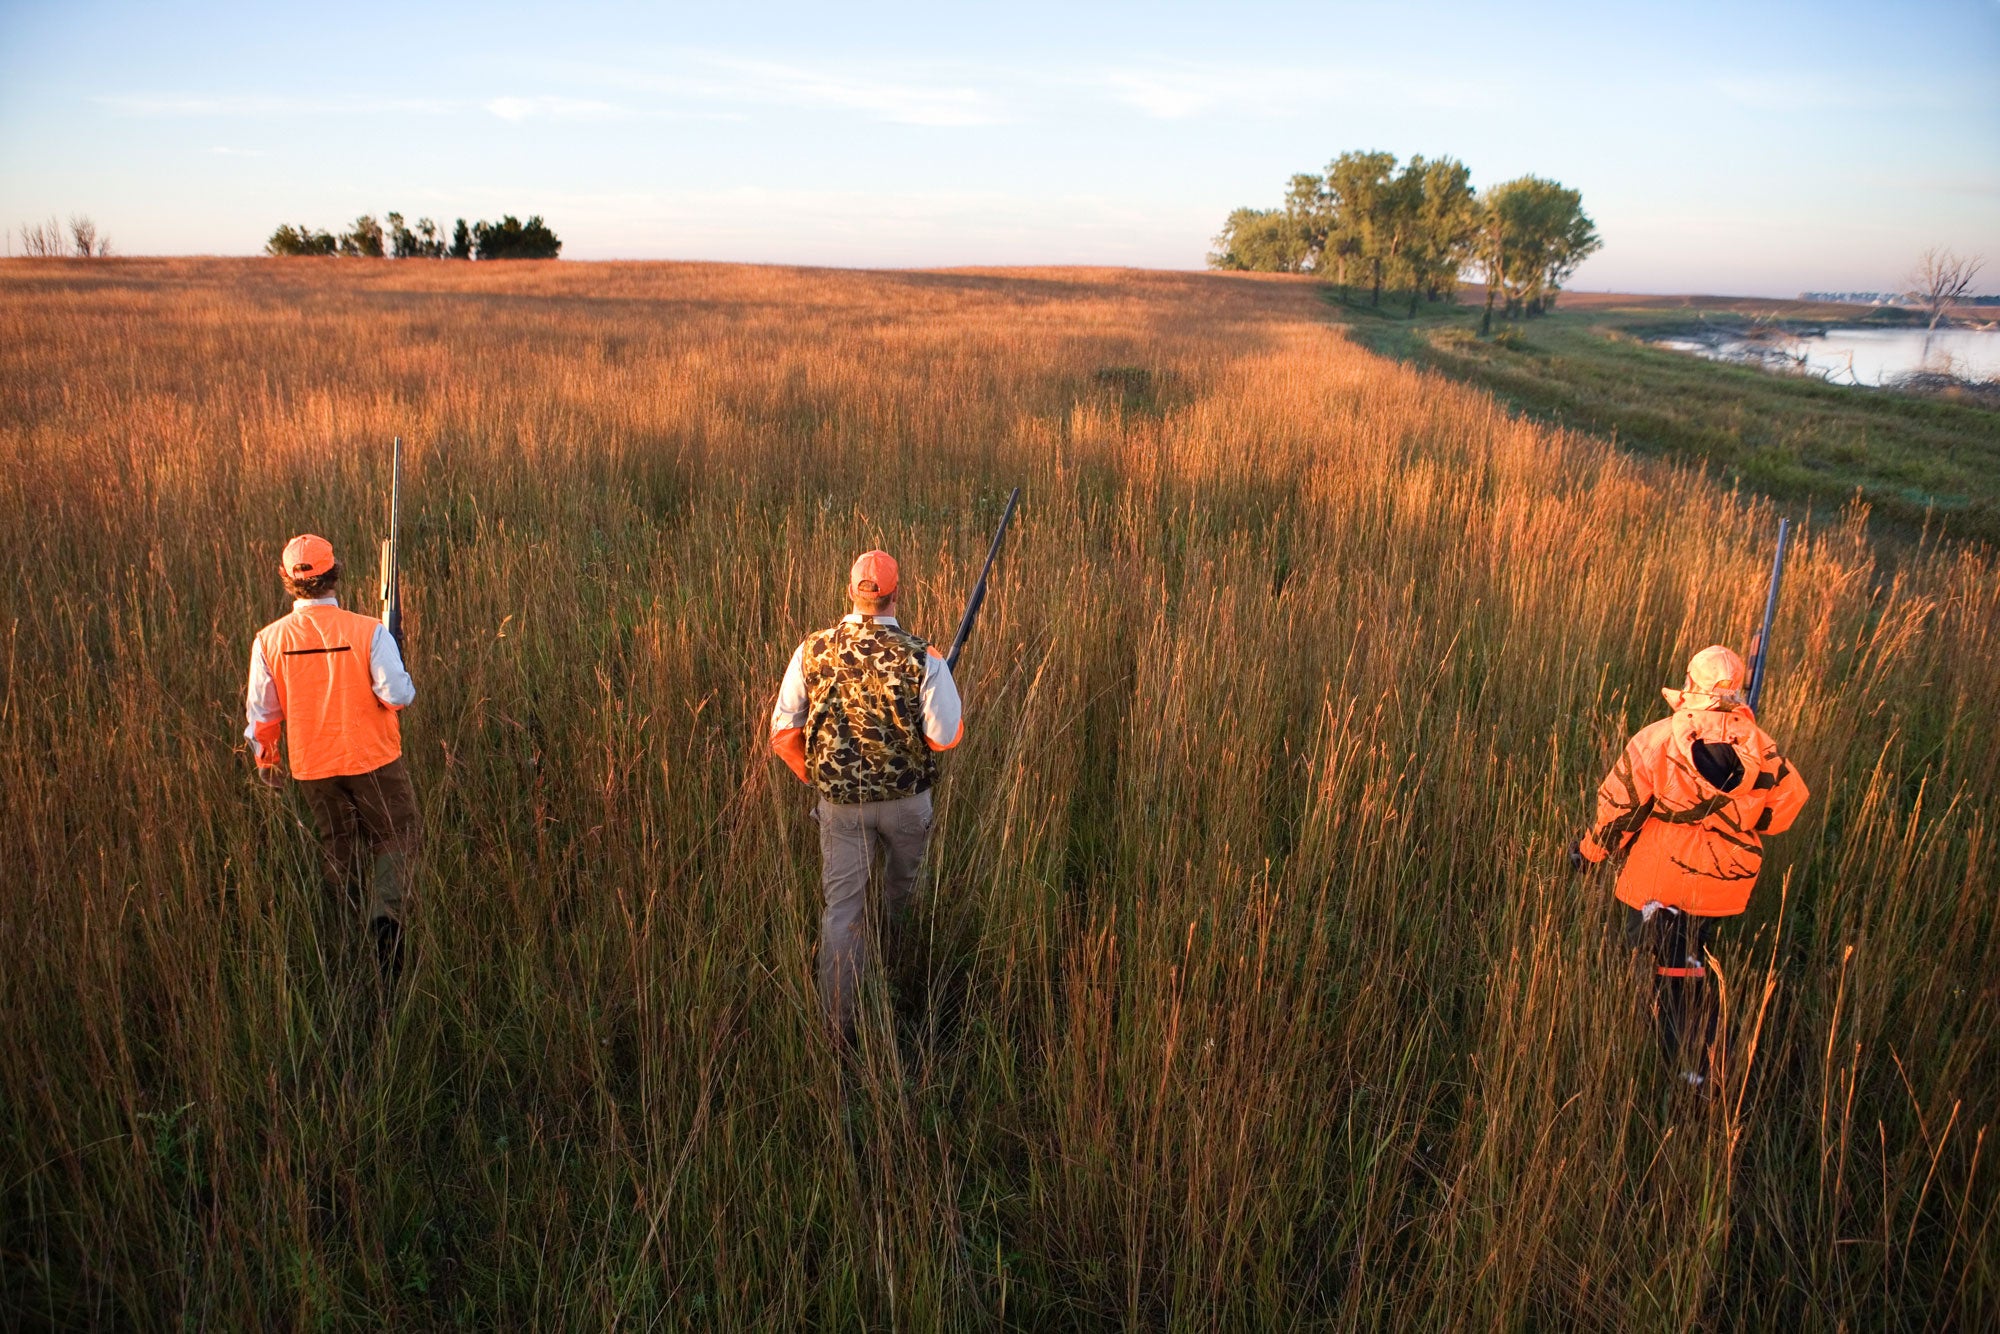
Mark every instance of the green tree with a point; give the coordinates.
(404, 243)
(461, 242)
(1535, 233)
(1447, 224)
(510, 238)
(1288, 239)
(1259, 240)
(1415, 228)
(363, 239)
(1489, 251)
(1365, 205)
(1308, 216)
(420, 242)
(300, 240)
(1572, 239)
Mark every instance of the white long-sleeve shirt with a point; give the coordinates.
(944, 716)
(386, 676)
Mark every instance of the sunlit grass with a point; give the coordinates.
(1252, 990)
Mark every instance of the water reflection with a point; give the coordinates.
(1856, 356)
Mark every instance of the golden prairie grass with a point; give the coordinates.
(1252, 989)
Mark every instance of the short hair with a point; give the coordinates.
(871, 602)
(318, 586)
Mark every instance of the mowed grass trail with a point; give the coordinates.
(1253, 990)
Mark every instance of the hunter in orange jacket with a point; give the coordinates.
(1693, 796)
(1689, 803)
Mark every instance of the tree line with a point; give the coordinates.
(52, 240)
(509, 238)
(1414, 228)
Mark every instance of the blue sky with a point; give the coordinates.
(1741, 147)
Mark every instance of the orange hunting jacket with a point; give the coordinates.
(1693, 846)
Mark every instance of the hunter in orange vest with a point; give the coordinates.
(330, 683)
(1688, 805)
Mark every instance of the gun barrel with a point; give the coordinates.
(978, 597)
(1763, 655)
(392, 600)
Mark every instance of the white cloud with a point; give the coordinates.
(898, 100)
(262, 106)
(1167, 97)
(1181, 90)
(925, 95)
(518, 109)
(966, 93)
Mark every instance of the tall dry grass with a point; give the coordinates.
(1252, 992)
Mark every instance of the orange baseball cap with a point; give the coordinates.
(874, 573)
(307, 556)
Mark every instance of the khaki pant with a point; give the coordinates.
(848, 837)
(368, 836)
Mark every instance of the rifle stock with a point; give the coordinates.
(978, 597)
(1762, 654)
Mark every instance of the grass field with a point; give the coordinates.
(1254, 991)
(1918, 462)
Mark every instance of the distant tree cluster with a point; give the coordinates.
(52, 240)
(509, 238)
(1414, 227)
(290, 240)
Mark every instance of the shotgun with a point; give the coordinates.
(979, 589)
(1762, 653)
(392, 597)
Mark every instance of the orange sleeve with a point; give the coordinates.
(958, 737)
(789, 744)
(1624, 800)
(1787, 799)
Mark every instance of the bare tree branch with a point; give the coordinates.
(1941, 280)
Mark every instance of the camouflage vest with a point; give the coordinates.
(865, 713)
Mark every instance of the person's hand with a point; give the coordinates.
(271, 776)
(1577, 861)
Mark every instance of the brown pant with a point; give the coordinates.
(848, 838)
(368, 835)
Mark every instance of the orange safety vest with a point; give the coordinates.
(318, 658)
(1692, 845)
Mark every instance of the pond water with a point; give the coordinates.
(1859, 356)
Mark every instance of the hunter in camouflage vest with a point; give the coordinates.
(863, 712)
